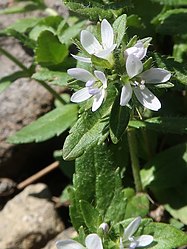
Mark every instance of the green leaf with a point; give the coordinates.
(49, 50)
(138, 205)
(165, 236)
(175, 125)
(66, 36)
(178, 73)
(172, 22)
(4, 85)
(167, 169)
(7, 80)
(134, 21)
(90, 215)
(22, 25)
(50, 125)
(25, 7)
(101, 62)
(171, 2)
(52, 77)
(119, 27)
(89, 130)
(119, 119)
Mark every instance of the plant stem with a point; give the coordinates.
(12, 58)
(52, 91)
(134, 159)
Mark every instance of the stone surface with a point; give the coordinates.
(29, 220)
(69, 233)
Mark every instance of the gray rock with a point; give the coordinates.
(69, 233)
(29, 220)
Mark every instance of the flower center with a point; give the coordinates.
(140, 84)
(93, 86)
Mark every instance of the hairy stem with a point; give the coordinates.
(134, 159)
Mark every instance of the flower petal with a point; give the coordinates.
(81, 95)
(133, 66)
(68, 244)
(98, 100)
(131, 228)
(126, 94)
(89, 42)
(107, 34)
(144, 240)
(155, 75)
(80, 74)
(105, 52)
(83, 59)
(101, 76)
(137, 50)
(93, 241)
(147, 98)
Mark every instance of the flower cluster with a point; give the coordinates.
(93, 241)
(136, 78)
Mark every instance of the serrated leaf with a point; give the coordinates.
(88, 130)
(49, 50)
(167, 169)
(51, 124)
(119, 119)
(52, 77)
(119, 27)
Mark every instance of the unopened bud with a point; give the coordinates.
(104, 226)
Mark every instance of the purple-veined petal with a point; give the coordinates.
(89, 42)
(144, 240)
(133, 66)
(93, 241)
(147, 99)
(101, 76)
(98, 99)
(80, 74)
(126, 94)
(105, 52)
(83, 59)
(131, 228)
(137, 50)
(107, 34)
(68, 244)
(155, 75)
(81, 95)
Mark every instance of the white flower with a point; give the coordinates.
(93, 46)
(95, 86)
(139, 49)
(137, 82)
(92, 241)
(132, 242)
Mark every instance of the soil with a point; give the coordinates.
(34, 157)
